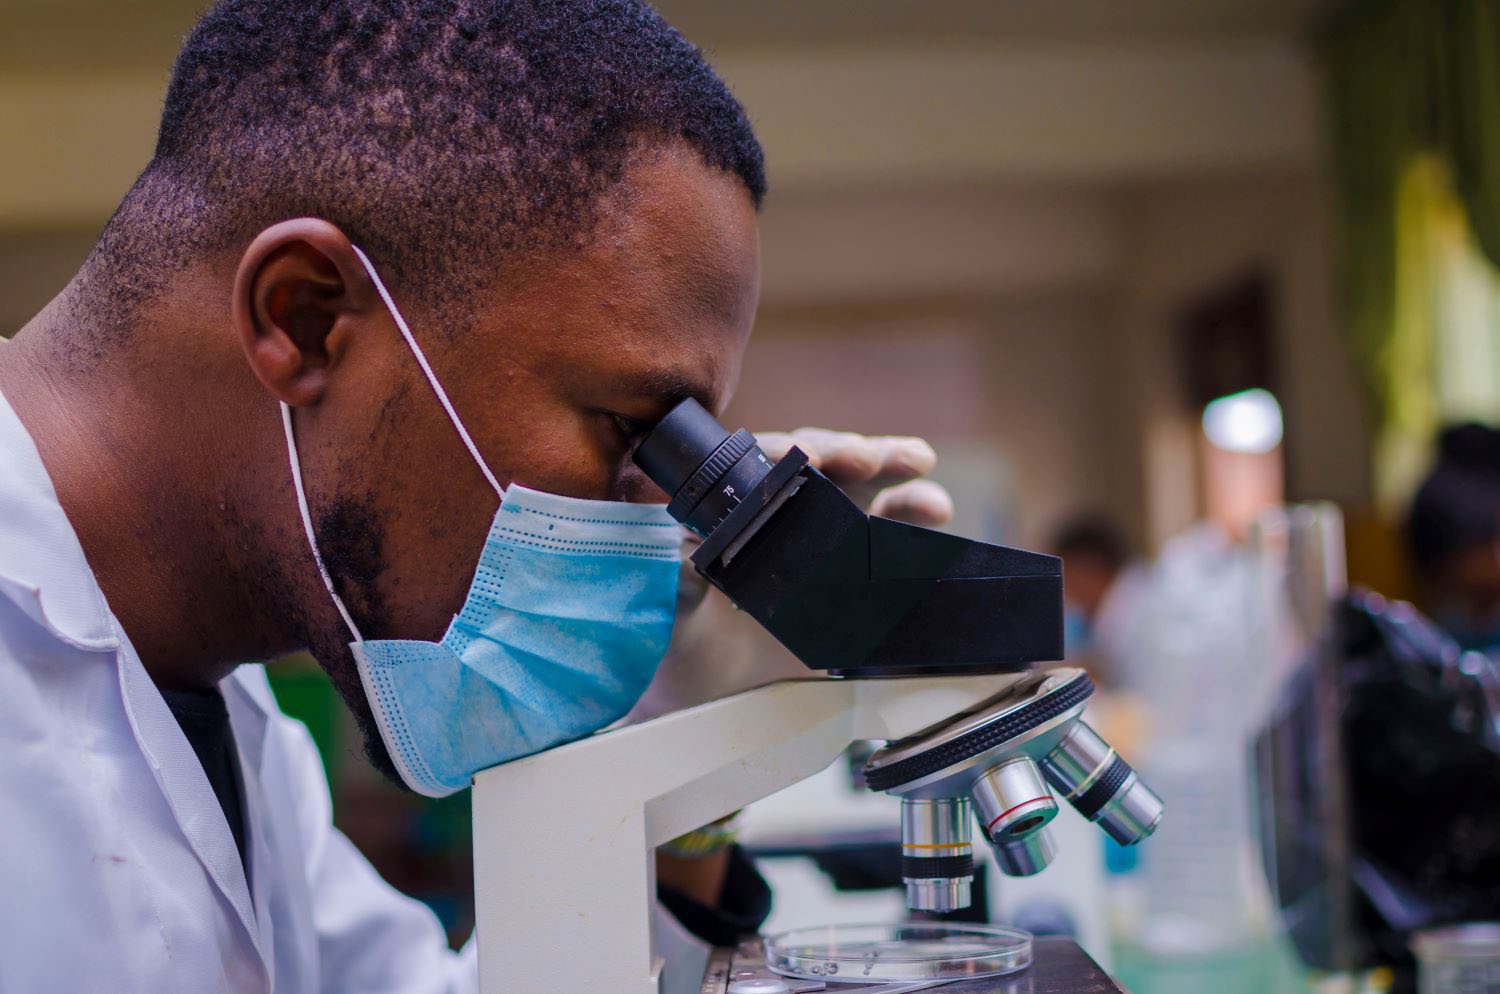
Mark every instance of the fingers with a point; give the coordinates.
(917, 502)
(904, 458)
(775, 445)
(880, 472)
(844, 457)
(848, 458)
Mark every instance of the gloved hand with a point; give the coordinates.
(717, 650)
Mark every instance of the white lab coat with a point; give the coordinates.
(118, 871)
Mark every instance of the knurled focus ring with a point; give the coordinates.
(729, 452)
(1023, 719)
(936, 867)
(1098, 795)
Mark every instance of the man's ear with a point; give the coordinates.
(297, 290)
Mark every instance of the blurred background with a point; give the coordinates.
(1143, 270)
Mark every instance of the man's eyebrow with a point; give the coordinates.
(671, 386)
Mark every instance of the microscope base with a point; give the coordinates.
(1060, 966)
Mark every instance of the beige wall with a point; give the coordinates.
(34, 265)
(1017, 382)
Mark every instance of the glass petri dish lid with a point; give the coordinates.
(902, 951)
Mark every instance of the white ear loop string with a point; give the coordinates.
(427, 369)
(291, 441)
(312, 543)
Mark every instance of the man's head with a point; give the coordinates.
(451, 139)
(1093, 555)
(560, 195)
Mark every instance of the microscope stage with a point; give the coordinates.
(1058, 966)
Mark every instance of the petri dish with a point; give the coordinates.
(882, 953)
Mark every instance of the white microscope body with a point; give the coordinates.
(564, 841)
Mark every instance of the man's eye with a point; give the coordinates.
(629, 428)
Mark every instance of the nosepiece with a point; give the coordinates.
(1005, 758)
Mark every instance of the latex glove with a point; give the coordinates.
(718, 650)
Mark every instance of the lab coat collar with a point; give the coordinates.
(249, 715)
(187, 791)
(42, 567)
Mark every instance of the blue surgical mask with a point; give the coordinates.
(568, 615)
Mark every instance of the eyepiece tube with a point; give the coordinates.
(1102, 786)
(937, 855)
(704, 469)
(679, 443)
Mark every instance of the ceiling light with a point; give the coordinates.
(1248, 421)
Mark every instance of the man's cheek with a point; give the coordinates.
(572, 467)
(431, 569)
(429, 598)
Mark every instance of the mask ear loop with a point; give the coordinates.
(442, 396)
(312, 543)
(432, 379)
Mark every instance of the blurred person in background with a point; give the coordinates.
(1453, 536)
(1187, 645)
(1093, 553)
(1099, 588)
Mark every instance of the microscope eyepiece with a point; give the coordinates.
(679, 444)
(705, 470)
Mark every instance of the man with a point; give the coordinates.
(1101, 596)
(1093, 555)
(398, 274)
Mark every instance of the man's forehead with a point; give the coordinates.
(690, 227)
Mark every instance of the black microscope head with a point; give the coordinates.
(844, 591)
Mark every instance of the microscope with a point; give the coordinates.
(926, 640)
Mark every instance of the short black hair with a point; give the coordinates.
(440, 135)
(1457, 505)
(1091, 536)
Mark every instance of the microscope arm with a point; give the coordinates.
(564, 869)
